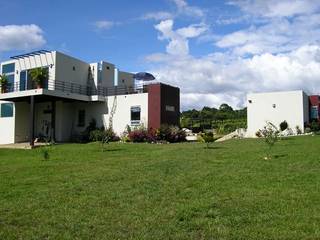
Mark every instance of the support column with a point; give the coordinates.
(53, 121)
(31, 123)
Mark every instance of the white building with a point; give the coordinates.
(276, 107)
(74, 93)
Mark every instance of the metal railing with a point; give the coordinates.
(75, 88)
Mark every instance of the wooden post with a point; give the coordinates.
(31, 123)
(53, 121)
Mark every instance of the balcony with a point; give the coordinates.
(72, 90)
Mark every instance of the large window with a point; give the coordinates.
(6, 110)
(8, 68)
(81, 118)
(135, 115)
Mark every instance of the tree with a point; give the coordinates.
(39, 76)
(271, 136)
(3, 83)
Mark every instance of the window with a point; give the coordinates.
(170, 108)
(6, 110)
(8, 68)
(250, 101)
(81, 118)
(314, 112)
(73, 68)
(135, 115)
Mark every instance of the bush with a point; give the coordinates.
(166, 133)
(283, 125)
(171, 134)
(298, 130)
(99, 135)
(314, 126)
(208, 138)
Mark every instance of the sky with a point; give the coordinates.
(215, 51)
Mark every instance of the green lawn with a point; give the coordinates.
(174, 191)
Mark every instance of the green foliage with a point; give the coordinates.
(39, 76)
(283, 125)
(314, 126)
(208, 138)
(271, 136)
(224, 119)
(3, 80)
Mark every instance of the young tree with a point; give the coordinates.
(271, 136)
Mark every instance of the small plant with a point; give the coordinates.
(298, 130)
(271, 136)
(314, 126)
(283, 125)
(3, 83)
(39, 76)
(208, 138)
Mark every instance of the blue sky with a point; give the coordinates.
(215, 51)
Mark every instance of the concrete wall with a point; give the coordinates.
(72, 70)
(7, 128)
(125, 79)
(275, 107)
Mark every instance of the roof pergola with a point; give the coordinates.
(35, 53)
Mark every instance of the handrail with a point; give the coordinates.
(70, 87)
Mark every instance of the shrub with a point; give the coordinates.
(99, 135)
(283, 125)
(166, 133)
(298, 130)
(314, 126)
(138, 135)
(171, 134)
(208, 138)
(258, 134)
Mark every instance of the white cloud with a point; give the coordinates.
(182, 9)
(104, 24)
(279, 51)
(161, 15)
(205, 81)
(178, 39)
(276, 8)
(21, 37)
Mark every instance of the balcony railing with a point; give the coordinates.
(75, 88)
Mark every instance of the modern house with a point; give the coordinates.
(276, 107)
(74, 93)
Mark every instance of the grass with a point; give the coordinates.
(175, 191)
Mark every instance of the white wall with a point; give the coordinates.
(22, 114)
(291, 106)
(64, 69)
(7, 128)
(101, 112)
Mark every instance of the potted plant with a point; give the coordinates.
(39, 76)
(3, 83)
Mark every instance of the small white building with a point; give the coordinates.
(276, 107)
(74, 93)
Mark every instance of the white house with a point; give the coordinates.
(74, 93)
(276, 107)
